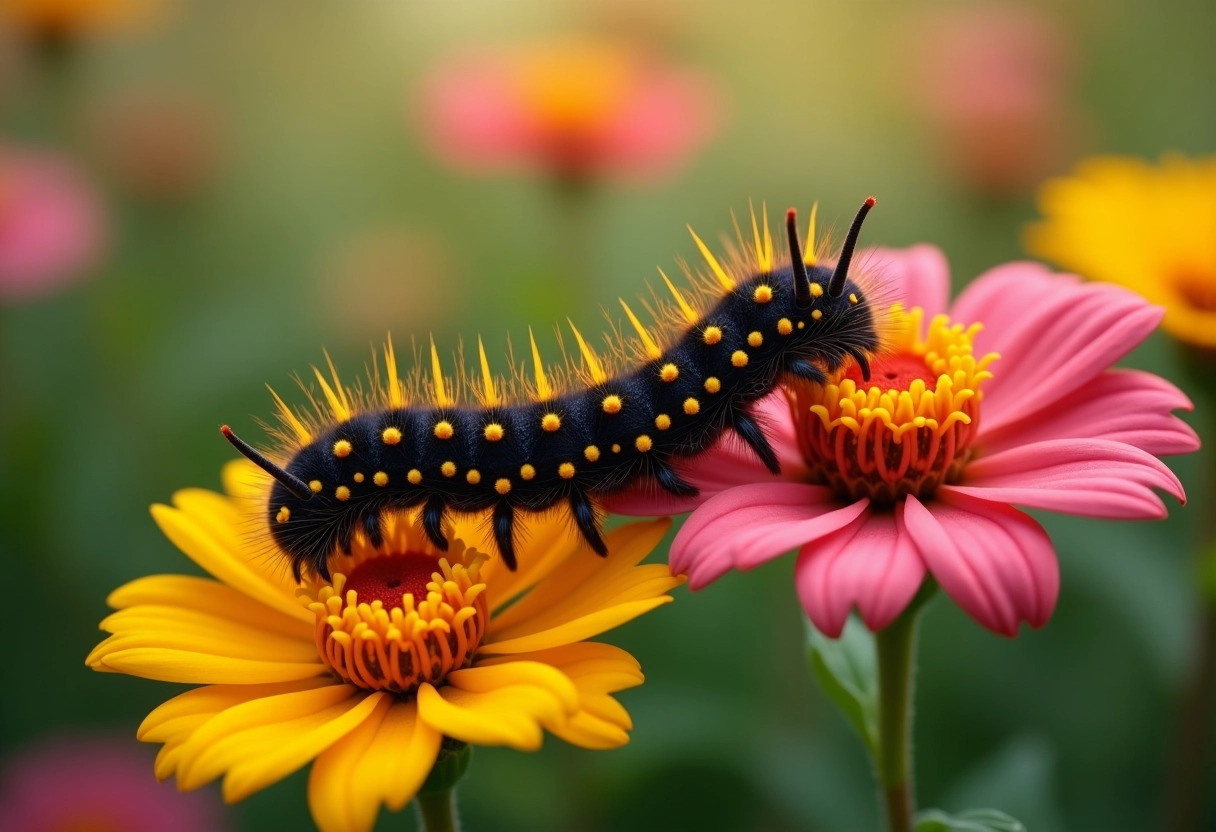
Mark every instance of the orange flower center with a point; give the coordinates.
(400, 617)
(907, 430)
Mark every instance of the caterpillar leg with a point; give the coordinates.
(862, 362)
(807, 371)
(504, 533)
(583, 513)
(432, 521)
(749, 431)
(371, 528)
(670, 480)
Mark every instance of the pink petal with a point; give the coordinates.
(871, 564)
(751, 524)
(470, 115)
(914, 276)
(669, 116)
(729, 463)
(1054, 334)
(994, 561)
(1086, 477)
(1127, 406)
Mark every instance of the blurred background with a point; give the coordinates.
(197, 197)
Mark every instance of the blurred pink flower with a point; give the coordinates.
(97, 784)
(572, 109)
(52, 224)
(994, 82)
(884, 484)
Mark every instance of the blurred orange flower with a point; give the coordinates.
(57, 19)
(569, 108)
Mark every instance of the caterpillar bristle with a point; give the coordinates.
(808, 256)
(591, 361)
(652, 350)
(726, 281)
(489, 389)
(544, 391)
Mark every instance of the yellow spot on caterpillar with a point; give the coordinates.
(502, 486)
(802, 324)
(853, 298)
(448, 469)
(391, 436)
(342, 493)
(315, 486)
(526, 472)
(591, 452)
(816, 290)
(687, 311)
(544, 392)
(443, 396)
(342, 448)
(808, 255)
(738, 358)
(763, 294)
(712, 385)
(566, 470)
(414, 476)
(290, 419)
(358, 477)
(691, 406)
(712, 335)
(396, 392)
(493, 432)
(380, 479)
(444, 430)
(336, 395)
(551, 423)
(590, 359)
(652, 349)
(723, 278)
(643, 443)
(670, 372)
(284, 515)
(784, 326)
(612, 404)
(755, 339)
(662, 421)
(489, 393)
(616, 449)
(764, 248)
(816, 313)
(473, 477)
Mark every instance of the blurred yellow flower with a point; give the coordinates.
(369, 673)
(1149, 227)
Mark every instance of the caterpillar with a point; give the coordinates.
(799, 319)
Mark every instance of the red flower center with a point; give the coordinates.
(894, 372)
(386, 579)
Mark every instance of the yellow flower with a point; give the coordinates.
(1147, 227)
(369, 673)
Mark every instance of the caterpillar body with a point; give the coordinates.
(799, 318)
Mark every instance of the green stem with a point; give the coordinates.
(896, 661)
(437, 811)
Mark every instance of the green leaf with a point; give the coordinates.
(1207, 573)
(973, 820)
(847, 669)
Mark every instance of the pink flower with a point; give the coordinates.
(882, 485)
(569, 108)
(97, 784)
(52, 226)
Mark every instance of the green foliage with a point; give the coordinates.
(972, 820)
(847, 669)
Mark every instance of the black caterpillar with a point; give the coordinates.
(799, 319)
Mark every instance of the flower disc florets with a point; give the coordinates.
(911, 427)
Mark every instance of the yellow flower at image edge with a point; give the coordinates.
(369, 673)
(1145, 226)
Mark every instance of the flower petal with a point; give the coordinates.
(587, 730)
(210, 700)
(384, 760)
(485, 679)
(584, 627)
(188, 592)
(915, 276)
(593, 667)
(552, 544)
(202, 632)
(1057, 338)
(171, 665)
(994, 561)
(1086, 477)
(871, 563)
(198, 529)
(506, 716)
(750, 524)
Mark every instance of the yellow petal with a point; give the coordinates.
(265, 763)
(167, 665)
(384, 760)
(549, 545)
(580, 628)
(501, 675)
(155, 626)
(507, 716)
(203, 594)
(604, 707)
(226, 558)
(588, 731)
(592, 666)
(200, 643)
(225, 739)
(246, 482)
(212, 699)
